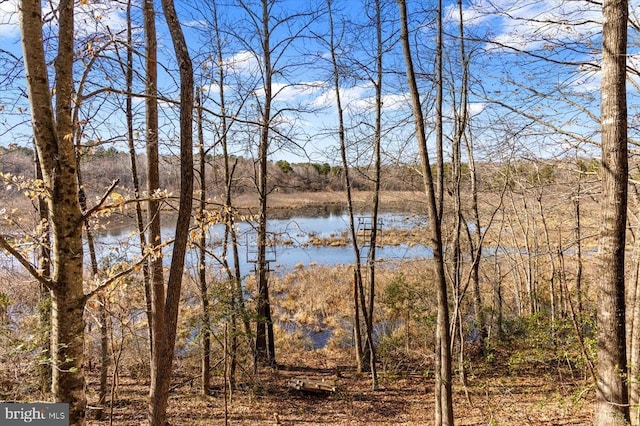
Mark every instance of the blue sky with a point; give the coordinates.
(544, 108)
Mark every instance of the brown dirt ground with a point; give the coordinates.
(494, 399)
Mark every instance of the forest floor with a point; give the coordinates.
(492, 397)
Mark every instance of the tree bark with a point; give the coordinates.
(156, 274)
(44, 305)
(163, 353)
(140, 226)
(633, 320)
(265, 348)
(612, 396)
(53, 134)
(202, 256)
(443, 391)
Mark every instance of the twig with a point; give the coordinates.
(102, 200)
(117, 276)
(49, 284)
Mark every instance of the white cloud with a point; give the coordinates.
(291, 92)
(361, 98)
(472, 16)
(244, 62)
(196, 23)
(587, 82)
(528, 25)
(211, 89)
(94, 17)
(355, 96)
(9, 23)
(90, 17)
(476, 108)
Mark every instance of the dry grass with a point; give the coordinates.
(405, 201)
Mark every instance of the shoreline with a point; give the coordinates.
(282, 205)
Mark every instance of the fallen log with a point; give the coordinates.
(314, 386)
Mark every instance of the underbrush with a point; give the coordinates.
(535, 344)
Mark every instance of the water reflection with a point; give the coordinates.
(291, 236)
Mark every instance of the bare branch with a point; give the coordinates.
(27, 265)
(98, 206)
(116, 277)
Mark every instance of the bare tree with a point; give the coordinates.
(53, 133)
(270, 34)
(443, 391)
(377, 160)
(265, 346)
(202, 252)
(165, 331)
(156, 273)
(135, 179)
(612, 406)
(362, 306)
(231, 236)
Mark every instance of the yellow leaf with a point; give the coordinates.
(117, 198)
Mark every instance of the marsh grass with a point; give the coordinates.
(320, 299)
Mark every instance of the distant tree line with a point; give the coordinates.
(101, 166)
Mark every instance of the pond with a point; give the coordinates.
(291, 238)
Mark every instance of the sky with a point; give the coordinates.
(533, 82)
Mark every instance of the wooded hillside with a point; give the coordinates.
(414, 212)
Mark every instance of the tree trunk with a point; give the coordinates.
(633, 320)
(578, 237)
(265, 349)
(357, 329)
(443, 391)
(439, 182)
(360, 304)
(612, 396)
(202, 257)
(53, 134)
(140, 226)
(377, 137)
(163, 353)
(459, 287)
(156, 274)
(44, 304)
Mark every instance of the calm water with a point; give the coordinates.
(121, 243)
